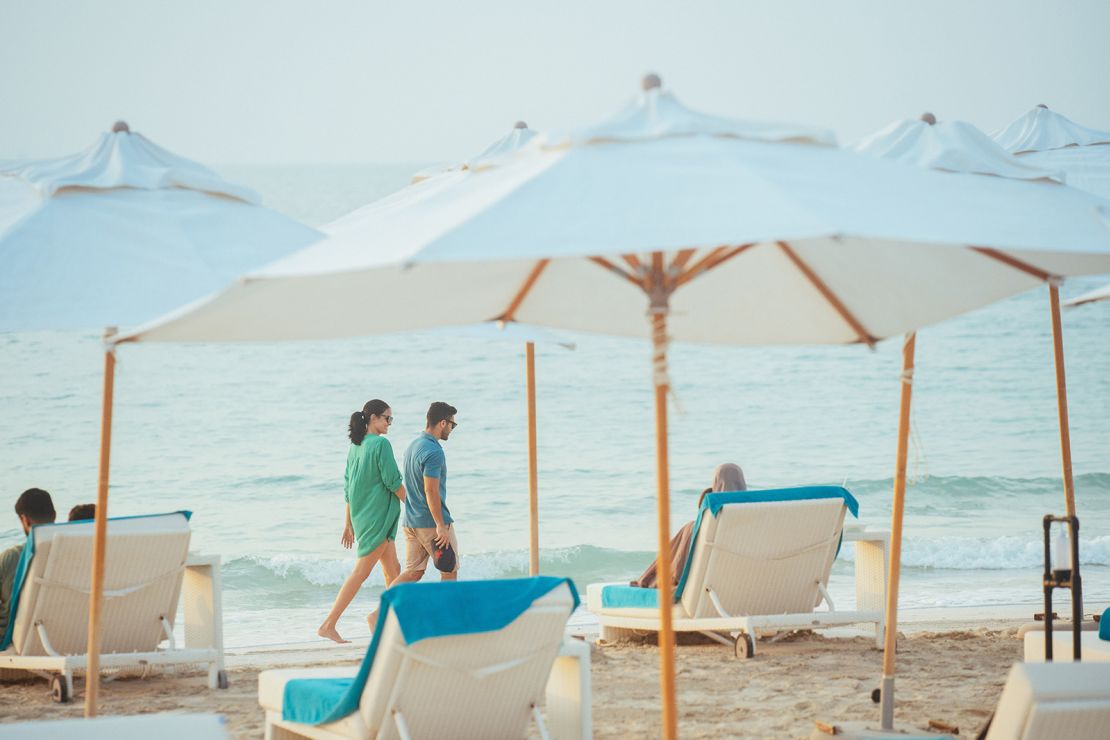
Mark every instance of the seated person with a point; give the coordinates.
(34, 506)
(727, 477)
(81, 512)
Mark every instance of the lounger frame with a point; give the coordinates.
(567, 690)
(705, 613)
(197, 585)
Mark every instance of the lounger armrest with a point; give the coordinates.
(872, 559)
(202, 600)
(569, 713)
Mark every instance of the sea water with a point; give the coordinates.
(252, 439)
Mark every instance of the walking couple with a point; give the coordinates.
(374, 490)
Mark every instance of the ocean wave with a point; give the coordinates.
(589, 564)
(965, 487)
(581, 562)
(1000, 553)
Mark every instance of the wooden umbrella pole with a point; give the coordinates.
(96, 590)
(533, 472)
(890, 636)
(663, 562)
(1062, 397)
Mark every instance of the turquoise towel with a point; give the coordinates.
(423, 610)
(1104, 626)
(635, 597)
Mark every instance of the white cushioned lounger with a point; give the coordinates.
(483, 685)
(1054, 701)
(760, 560)
(1091, 647)
(144, 565)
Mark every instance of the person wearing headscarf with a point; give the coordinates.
(727, 477)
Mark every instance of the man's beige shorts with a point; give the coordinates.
(420, 544)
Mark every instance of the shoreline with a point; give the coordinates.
(583, 624)
(954, 675)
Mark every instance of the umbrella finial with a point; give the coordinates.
(520, 124)
(929, 118)
(651, 81)
(121, 127)
(1042, 105)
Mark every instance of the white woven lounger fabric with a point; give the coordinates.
(1053, 701)
(759, 560)
(479, 685)
(144, 565)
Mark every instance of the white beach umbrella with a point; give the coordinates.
(1046, 138)
(517, 137)
(952, 146)
(123, 232)
(723, 231)
(1098, 294)
(114, 236)
(962, 149)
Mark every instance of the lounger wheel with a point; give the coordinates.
(221, 679)
(877, 696)
(58, 690)
(745, 646)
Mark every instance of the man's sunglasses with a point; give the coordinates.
(452, 423)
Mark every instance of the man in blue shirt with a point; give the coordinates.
(428, 523)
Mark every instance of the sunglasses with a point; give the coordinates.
(388, 419)
(452, 423)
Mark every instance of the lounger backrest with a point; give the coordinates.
(763, 557)
(143, 566)
(466, 686)
(1047, 701)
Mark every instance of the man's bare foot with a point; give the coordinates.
(331, 634)
(372, 620)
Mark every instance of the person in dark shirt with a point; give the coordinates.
(34, 506)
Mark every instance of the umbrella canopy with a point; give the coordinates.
(787, 221)
(951, 146)
(1098, 294)
(124, 232)
(1045, 138)
(724, 231)
(517, 137)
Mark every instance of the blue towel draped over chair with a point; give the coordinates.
(423, 610)
(634, 597)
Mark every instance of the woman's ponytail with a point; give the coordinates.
(357, 428)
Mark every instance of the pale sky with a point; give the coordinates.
(267, 81)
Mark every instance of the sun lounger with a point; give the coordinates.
(1051, 701)
(459, 660)
(146, 564)
(1094, 645)
(760, 560)
(139, 727)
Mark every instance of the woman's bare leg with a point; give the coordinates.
(350, 587)
(391, 568)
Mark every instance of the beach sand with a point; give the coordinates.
(955, 676)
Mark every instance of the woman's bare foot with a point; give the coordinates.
(372, 620)
(331, 634)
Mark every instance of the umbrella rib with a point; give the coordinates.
(829, 295)
(680, 260)
(717, 257)
(521, 294)
(616, 270)
(1015, 263)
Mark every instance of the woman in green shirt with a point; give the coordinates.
(373, 491)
